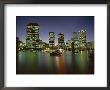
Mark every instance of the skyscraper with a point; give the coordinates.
(90, 45)
(68, 45)
(82, 39)
(32, 37)
(51, 39)
(75, 39)
(61, 43)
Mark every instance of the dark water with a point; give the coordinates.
(42, 63)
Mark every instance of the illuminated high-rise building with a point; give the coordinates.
(61, 43)
(82, 39)
(90, 45)
(32, 37)
(75, 40)
(68, 45)
(51, 39)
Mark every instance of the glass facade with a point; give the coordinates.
(32, 37)
(61, 43)
(51, 39)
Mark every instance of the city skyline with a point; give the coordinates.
(55, 45)
(56, 24)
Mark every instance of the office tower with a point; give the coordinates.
(61, 43)
(75, 40)
(90, 45)
(32, 37)
(51, 40)
(82, 39)
(68, 45)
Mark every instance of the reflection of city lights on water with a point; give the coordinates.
(57, 63)
(57, 59)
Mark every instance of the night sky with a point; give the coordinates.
(56, 24)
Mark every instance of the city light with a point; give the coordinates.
(50, 48)
(76, 43)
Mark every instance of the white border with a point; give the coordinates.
(96, 80)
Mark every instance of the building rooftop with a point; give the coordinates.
(60, 33)
(33, 24)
